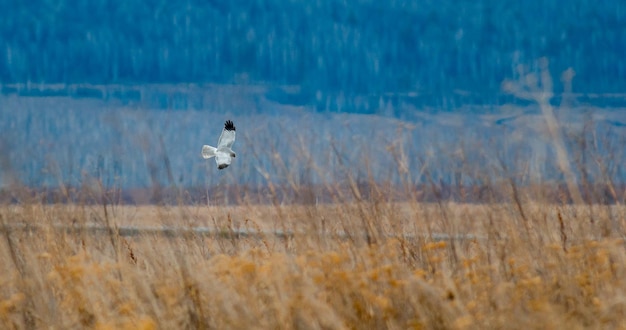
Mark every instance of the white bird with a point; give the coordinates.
(223, 153)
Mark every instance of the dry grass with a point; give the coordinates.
(554, 268)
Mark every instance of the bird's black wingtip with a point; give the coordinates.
(229, 126)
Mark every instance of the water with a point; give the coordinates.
(134, 142)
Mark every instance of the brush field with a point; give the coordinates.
(365, 265)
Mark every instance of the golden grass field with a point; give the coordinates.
(530, 266)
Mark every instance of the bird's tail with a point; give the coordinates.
(208, 151)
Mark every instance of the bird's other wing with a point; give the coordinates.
(228, 135)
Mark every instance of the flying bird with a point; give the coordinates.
(223, 153)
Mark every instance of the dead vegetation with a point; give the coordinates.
(553, 267)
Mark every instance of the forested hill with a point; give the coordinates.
(355, 47)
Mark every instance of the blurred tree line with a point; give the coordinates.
(356, 47)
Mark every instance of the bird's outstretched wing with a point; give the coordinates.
(228, 135)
